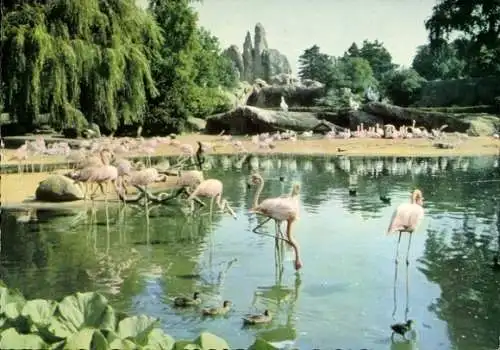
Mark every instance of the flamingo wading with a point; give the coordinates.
(284, 208)
(406, 218)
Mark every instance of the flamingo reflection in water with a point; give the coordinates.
(406, 218)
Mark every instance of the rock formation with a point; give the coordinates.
(257, 61)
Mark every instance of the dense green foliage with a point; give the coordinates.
(475, 53)
(87, 321)
(111, 63)
(478, 21)
(78, 60)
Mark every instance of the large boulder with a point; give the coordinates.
(473, 124)
(250, 120)
(58, 188)
(296, 93)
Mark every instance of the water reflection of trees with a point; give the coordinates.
(52, 254)
(458, 262)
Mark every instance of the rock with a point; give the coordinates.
(247, 58)
(357, 117)
(258, 60)
(295, 93)
(234, 54)
(239, 96)
(260, 46)
(58, 188)
(250, 120)
(472, 124)
(195, 124)
(482, 125)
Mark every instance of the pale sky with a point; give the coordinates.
(294, 25)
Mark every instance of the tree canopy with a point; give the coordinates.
(109, 62)
(477, 20)
(77, 59)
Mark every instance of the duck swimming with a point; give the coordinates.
(185, 301)
(401, 328)
(215, 311)
(258, 319)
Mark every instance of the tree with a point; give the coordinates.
(354, 73)
(352, 51)
(314, 65)
(78, 60)
(403, 86)
(376, 54)
(442, 63)
(478, 20)
(188, 72)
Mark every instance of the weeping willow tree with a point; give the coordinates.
(78, 61)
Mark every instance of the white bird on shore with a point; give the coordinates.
(283, 105)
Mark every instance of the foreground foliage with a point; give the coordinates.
(87, 321)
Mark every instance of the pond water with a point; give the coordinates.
(346, 295)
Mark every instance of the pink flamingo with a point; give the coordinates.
(211, 188)
(99, 174)
(21, 154)
(406, 218)
(284, 208)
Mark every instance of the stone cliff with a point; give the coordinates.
(257, 61)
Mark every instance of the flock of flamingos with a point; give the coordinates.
(103, 162)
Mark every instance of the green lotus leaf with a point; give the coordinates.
(39, 311)
(86, 310)
(11, 339)
(137, 328)
(208, 341)
(87, 338)
(261, 344)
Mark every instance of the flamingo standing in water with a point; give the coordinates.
(284, 208)
(211, 188)
(406, 218)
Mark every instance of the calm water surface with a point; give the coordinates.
(346, 296)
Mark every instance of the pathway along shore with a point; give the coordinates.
(15, 188)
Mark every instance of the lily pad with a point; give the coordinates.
(11, 339)
(185, 345)
(261, 344)
(86, 310)
(39, 311)
(87, 338)
(8, 296)
(157, 339)
(208, 341)
(136, 328)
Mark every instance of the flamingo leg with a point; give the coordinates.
(260, 225)
(397, 247)
(293, 243)
(408, 251)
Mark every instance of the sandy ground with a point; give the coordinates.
(15, 188)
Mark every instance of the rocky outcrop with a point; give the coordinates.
(234, 54)
(257, 60)
(295, 92)
(58, 188)
(251, 120)
(480, 124)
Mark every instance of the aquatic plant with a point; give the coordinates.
(87, 321)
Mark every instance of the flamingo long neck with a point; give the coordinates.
(257, 193)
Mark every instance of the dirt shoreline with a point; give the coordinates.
(15, 188)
